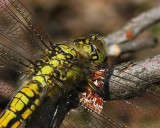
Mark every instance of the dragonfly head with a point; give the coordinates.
(91, 48)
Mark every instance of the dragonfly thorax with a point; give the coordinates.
(58, 67)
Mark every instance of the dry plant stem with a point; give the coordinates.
(134, 27)
(134, 78)
(132, 46)
(137, 45)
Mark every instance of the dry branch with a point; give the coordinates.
(139, 44)
(132, 46)
(134, 78)
(133, 28)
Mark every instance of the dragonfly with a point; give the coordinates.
(44, 81)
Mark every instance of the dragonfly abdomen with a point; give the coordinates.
(22, 105)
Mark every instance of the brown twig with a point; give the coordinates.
(134, 78)
(133, 28)
(132, 46)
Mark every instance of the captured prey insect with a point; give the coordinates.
(48, 77)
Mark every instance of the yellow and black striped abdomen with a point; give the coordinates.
(26, 100)
(22, 105)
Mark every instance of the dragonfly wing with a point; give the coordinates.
(19, 26)
(84, 118)
(42, 117)
(13, 69)
(139, 112)
(143, 109)
(9, 82)
(54, 110)
(11, 58)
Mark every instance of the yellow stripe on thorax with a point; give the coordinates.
(66, 49)
(43, 75)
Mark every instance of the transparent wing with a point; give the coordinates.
(10, 57)
(9, 82)
(78, 117)
(19, 26)
(139, 112)
(142, 110)
(43, 116)
(14, 68)
(83, 118)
